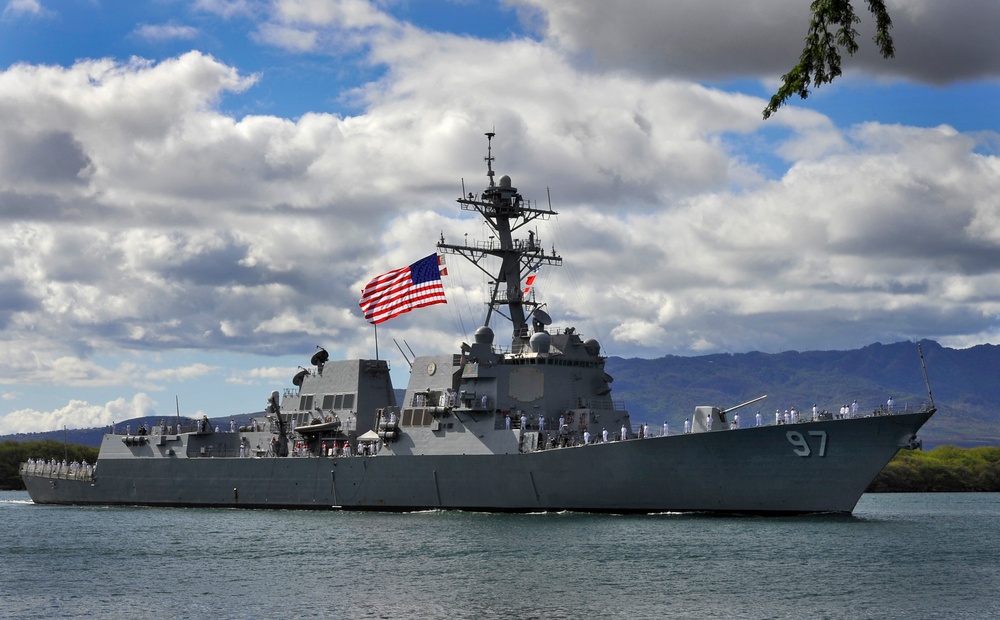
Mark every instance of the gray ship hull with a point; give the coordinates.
(780, 469)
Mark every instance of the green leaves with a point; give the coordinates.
(830, 30)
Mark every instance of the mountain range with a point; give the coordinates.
(964, 384)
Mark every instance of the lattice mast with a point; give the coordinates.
(505, 211)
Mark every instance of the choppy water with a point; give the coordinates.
(899, 556)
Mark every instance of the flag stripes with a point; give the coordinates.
(401, 290)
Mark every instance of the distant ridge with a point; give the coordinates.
(964, 381)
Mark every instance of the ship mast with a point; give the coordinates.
(505, 211)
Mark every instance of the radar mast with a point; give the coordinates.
(505, 211)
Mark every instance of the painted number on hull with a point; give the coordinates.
(801, 445)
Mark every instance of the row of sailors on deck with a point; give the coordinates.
(342, 449)
(792, 416)
(57, 467)
(606, 437)
(542, 425)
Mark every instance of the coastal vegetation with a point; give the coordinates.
(13, 453)
(945, 468)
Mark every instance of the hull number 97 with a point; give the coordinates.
(806, 447)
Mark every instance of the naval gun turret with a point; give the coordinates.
(719, 422)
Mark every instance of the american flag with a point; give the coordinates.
(404, 289)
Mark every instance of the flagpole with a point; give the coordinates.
(375, 325)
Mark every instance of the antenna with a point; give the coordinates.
(542, 316)
(488, 158)
(320, 357)
(926, 379)
(408, 362)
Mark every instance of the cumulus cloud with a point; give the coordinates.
(77, 414)
(878, 241)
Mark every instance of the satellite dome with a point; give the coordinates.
(484, 335)
(540, 342)
(592, 347)
(505, 182)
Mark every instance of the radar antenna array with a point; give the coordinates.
(504, 210)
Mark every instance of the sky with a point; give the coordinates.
(194, 192)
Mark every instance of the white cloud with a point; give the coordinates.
(76, 414)
(17, 8)
(348, 14)
(287, 37)
(257, 376)
(164, 32)
(225, 231)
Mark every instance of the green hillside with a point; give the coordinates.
(964, 384)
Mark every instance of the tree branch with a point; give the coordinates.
(830, 29)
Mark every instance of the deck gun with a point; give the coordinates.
(717, 415)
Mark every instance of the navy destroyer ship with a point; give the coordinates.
(529, 425)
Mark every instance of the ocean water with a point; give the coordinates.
(898, 556)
